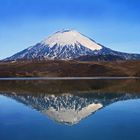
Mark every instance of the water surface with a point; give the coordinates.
(70, 109)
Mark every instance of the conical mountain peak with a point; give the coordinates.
(73, 38)
(69, 44)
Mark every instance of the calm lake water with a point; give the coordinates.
(70, 109)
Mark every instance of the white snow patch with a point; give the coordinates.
(70, 38)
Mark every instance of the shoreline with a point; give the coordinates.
(66, 78)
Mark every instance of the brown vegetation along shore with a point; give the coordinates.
(57, 68)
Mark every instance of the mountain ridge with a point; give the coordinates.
(70, 45)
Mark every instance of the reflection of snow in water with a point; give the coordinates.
(68, 108)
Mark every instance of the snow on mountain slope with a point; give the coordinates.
(68, 44)
(70, 38)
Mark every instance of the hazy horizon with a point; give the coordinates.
(115, 24)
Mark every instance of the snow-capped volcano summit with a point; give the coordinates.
(70, 38)
(70, 44)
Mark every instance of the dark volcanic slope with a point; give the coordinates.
(69, 68)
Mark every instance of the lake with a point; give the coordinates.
(100, 109)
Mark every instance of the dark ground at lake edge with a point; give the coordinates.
(59, 68)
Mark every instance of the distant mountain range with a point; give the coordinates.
(69, 45)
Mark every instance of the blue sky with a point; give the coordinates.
(113, 23)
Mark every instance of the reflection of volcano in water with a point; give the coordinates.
(68, 108)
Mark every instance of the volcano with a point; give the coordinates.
(69, 45)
